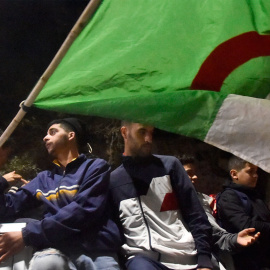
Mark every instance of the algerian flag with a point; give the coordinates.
(196, 68)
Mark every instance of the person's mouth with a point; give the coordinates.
(47, 145)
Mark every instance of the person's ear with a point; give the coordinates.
(124, 132)
(234, 174)
(71, 135)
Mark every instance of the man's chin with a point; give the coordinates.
(51, 153)
(145, 154)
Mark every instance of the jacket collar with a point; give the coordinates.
(74, 163)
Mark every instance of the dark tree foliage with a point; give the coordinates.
(29, 154)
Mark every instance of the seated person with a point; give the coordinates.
(238, 207)
(75, 231)
(163, 223)
(224, 242)
(12, 178)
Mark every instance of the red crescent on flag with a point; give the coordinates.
(228, 56)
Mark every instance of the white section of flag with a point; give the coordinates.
(242, 127)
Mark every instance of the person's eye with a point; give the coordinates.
(142, 131)
(52, 132)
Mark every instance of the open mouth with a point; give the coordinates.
(47, 145)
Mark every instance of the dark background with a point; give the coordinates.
(31, 32)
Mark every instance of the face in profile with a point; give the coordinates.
(190, 169)
(138, 139)
(56, 139)
(247, 176)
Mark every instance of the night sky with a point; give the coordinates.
(31, 33)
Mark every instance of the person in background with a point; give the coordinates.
(240, 206)
(157, 208)
(5, 151)
(75, 231)
(224, 243)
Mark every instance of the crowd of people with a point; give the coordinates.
(145, 214)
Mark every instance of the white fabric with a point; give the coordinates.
(169, 234)
(11, 227)
(242, 127)
(205, 201)
(19, 261)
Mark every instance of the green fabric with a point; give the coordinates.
(136, 60)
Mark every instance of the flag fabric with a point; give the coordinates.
(195, 68)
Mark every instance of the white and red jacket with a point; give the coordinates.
(159, 213)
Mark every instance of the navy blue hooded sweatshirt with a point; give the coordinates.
(74, 203)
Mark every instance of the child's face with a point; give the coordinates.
(190, 168)
(247, 176)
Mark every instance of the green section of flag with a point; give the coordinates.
(183, 112)
(137, 59)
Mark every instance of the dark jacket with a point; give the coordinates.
(238, 211)
(240, 207)
(75, 207)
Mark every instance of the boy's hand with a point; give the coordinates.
(247, 237)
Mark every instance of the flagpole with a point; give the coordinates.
(73, 34)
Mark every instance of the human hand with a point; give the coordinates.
(203, 269)
(247, 237)
(13, 177)
(10, 243)
(24, 182)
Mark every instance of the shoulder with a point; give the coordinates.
(166, 158)
(168, 161)
(43, 174)
(119, 176)
(118, 171)
(227, 191)
(99, 162)
(96, 163)
(204, 199)
(228, 195)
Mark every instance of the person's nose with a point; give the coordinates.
(45, 138)
(148, 138)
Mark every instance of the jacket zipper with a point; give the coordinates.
(148, 229)
(59, 185)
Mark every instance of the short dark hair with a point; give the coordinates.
(76, 125)
(236, 163)
(126, 123)
(186, 159)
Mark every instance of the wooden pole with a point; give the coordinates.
(73, 34)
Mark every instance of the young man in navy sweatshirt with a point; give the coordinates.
(75, 231)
